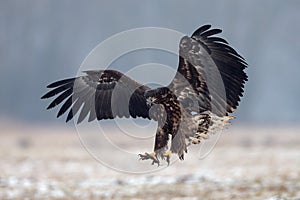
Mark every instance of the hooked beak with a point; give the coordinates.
(150, 101)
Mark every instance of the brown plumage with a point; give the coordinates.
(206, 89)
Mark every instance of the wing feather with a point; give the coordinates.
(205, 59)
(65, 106)
(61, 82)
(201, 29)
(211, 32)
(60, 98)
(101, 94)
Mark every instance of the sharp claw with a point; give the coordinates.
(204, 136)
(168, 160)
(154, 161)
(151, 156)
(195, 141)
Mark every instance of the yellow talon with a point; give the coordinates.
(151, 156)
(168, 153)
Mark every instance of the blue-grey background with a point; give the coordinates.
(45, 40)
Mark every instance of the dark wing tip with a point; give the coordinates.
(61, 82)
(218, 39)
(45, 96)
(60, 98)
(211, 32)
(70, 115)
(201, 30)
(50, 106)
(65, 106)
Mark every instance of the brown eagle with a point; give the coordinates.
(205, 90)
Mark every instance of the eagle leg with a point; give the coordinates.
(151, 156)
(167, 155)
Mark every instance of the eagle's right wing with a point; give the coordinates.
(103, 94)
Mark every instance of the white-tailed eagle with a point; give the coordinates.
(206, 89)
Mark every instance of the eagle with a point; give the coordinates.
(205, 90)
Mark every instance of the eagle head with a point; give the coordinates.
(157, 96)
(151, 97)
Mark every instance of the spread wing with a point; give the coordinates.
(103, 94)
(210, 73)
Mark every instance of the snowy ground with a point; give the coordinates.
(247, 163)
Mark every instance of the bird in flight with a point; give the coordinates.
(198, 102)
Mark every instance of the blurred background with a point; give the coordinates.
(43, 41)
(46, 40)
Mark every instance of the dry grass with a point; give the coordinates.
(247, 163)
